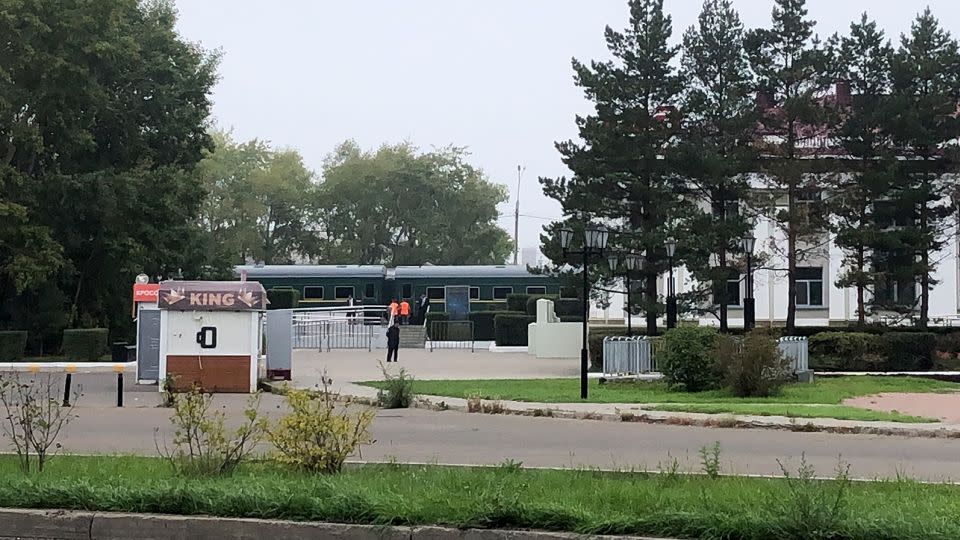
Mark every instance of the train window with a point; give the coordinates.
(474, 293)
(369, 290)
(407, 291)
(568, 292)
(500, 293)
(342, 293)
(436, 293)
(313, 293)
(536, 290)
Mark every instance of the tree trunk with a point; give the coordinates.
(924, 258)
(791, 259)
(723, 300)
(861, 310)
(650, 286)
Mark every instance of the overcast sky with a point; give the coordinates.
(490, 75)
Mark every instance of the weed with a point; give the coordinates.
(710, 460)
(670, 471)
(543, 413)
(510, 465)
(397, 391)
(168, 386)
(474, 404)
(627, 417)
(33, 417)
(813, 509)
(493, 407)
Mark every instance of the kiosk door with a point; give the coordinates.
(148, 345)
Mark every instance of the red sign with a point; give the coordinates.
(146, 292)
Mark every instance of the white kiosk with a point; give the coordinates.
(210, 334)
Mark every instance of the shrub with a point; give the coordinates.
(908, 351)
(315, 435)
(568, 307)
(517, 302)
(397, 393)
(483, 324)
(33, 417)
(687, 362)
(432, 317)
(510, 328)
(12, 344)
(845, 351)
(85, 345)
(201, 444)
(283, 298)
(531, 305)
(752, 366)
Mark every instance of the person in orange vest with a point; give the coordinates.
(394, 309)
(404, 312)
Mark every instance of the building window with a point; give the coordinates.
(723, 210)
(500, 293)
(536, 290)
(569, 292)
(369, 290)
(407, 291)
(342, 293)
(809, 286)
(313, 293)
(474, 293)
(436, 293)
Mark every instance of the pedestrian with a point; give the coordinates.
(393, 309)
(404, 312)
(422, 308)
(393, 341)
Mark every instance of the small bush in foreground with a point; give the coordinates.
(33, 417)
(201, 444)
(315, 436)
(752, 366)
(814, 509)
(687, 361)
(397, 392)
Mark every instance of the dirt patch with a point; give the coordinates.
(945, 407)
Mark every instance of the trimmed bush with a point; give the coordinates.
(12, 344)
(483, 324)
(510, 328)
(908, 351)
(283, 298)
(85, 345)
(687, 361)
(568, 307)
(531, 306)
(845, 351)
(752, 366)
(517, 302)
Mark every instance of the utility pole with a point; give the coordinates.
(516, 219)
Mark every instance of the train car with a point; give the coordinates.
(322, 285)
(332, 285)
(489, 285)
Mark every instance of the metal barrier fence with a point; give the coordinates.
(451, 335)
(635, 355)
(328, 333)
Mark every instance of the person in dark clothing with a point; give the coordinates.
(393, 341)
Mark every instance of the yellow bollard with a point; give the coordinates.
(71, 368)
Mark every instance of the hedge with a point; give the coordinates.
(85, 345)
(517, 302)
(283, 298)
(510, 328)
(908, 351)
(12, 345)
(483, 324)
(863, 351)
(435, 316)
(562, 307)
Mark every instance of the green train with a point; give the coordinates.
(333, 285)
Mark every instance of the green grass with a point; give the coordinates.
(586, 502)
(840, 412)
(827, 391)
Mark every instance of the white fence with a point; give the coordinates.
(632, 356)
(337, 328)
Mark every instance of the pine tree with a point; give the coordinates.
(922, 119)
(622, 167)
(718, 126)
(863, 61)
(790, 68)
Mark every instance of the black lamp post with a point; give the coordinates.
(671, 246)
(748, 242)
(631, 262)
(594, 242)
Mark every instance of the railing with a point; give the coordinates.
(451, 335)
(336, 328)
(796, 350)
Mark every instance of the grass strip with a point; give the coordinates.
(839, 412)
(827, 391)
(586, 502)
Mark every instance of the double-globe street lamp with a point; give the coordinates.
(594, 242)
(631, 263)
(748, 242)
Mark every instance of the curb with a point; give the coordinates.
(723, 421)
(81, 525)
